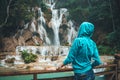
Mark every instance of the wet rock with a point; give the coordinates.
(54, 58)
(2, 56)
(20, 66)
(8, 44)
(10, 60)
(63, 31)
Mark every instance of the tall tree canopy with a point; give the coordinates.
(13, 11)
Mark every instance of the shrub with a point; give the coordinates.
(106, 50)
(28, 57)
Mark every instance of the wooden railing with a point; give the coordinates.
(113, 71)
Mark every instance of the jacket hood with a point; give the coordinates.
(86, 29)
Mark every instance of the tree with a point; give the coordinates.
(3, 8)
(13, 11)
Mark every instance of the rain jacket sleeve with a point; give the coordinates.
(72, 52)
(96, 58)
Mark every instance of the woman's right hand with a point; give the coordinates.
(59, 67)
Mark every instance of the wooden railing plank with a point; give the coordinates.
(35, 72)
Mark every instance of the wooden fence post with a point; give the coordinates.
(117, 61)
(34, 76)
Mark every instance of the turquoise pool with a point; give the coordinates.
(43, 76)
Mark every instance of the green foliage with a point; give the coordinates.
(96, 11)
(22, 10)
(104, 14)
(113, 39)
(18, 10)
(67, 44)
(43, 6)
(28, 57)
(106, 50)
(79, 14)
(3, 6)
(111, 43)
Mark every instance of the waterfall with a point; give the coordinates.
(55, 23)
(39, 26)
(41, 29)
(55, 26)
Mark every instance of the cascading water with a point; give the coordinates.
(55, 26)
(56, 21)
(41, 29)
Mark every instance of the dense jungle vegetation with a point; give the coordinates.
(104, 14)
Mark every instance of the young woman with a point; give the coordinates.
(83, 53)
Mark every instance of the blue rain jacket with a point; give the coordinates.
(83, 53)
